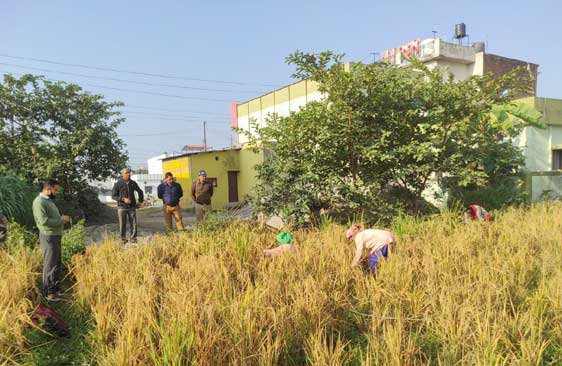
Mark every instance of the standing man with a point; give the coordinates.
(50, 223)
(201, 192)
(170, 193)
(124, 193)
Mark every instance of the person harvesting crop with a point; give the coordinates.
(370, 244)
(476, 213)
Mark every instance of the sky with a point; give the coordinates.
(213, 53)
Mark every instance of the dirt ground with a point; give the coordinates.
(149, 221)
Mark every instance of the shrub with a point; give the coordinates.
(73, 242)
(89, 202)
(16, 198)
(19, 237)
(502, 193)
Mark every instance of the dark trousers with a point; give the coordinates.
(129, 214)
(51, 249)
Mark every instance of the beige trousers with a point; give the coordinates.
(174, 212)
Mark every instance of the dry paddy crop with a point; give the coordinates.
(452, 294)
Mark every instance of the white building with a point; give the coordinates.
(155, 164)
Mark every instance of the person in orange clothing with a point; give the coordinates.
(170, 193)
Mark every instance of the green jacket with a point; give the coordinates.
(47, 216)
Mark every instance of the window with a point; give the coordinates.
(557, 159)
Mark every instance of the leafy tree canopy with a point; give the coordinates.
(382, 134)
(55, 129)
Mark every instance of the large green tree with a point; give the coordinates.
(56, 129)
(381, 134)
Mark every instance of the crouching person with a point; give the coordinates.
(286, 244)
(476, 213)
(370, 245)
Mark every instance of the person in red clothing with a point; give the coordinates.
(476, 213)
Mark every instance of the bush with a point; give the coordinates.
(505, 192)
(82, 205)
(16, 199)
(73, 243)
(89, 202)
(20, 237)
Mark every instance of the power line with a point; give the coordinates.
(147, 92)
(144, 113)
(175, 111)
(158, 94)
(156, 133)
(131, 81)
(175, 132)
(134, 72)
(173, 119)
(162, 109)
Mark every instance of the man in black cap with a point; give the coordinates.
(201, 192)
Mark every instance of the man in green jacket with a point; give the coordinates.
(50, 223)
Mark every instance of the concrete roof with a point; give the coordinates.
(202, 152)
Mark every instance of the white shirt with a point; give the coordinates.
(370, 241)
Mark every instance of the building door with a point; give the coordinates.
(232, 186)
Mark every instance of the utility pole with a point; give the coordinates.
(375, 54)
(205, 135)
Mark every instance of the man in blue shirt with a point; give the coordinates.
(170, 193)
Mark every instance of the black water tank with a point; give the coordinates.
(460, 30)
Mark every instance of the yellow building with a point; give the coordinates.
(232, 172)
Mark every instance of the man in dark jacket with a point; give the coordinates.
(124, 194)
(201, 192)
(170, 193)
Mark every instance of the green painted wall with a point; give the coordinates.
(217, 165)
(247, 176)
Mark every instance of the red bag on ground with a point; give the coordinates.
(53, 321)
